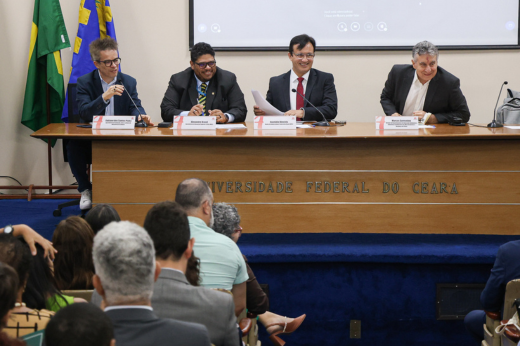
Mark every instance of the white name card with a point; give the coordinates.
(397, 123)
(109, 122)
(194, 123)
(275, 123)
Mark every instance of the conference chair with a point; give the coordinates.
(85, 294)
(493, 318)
(73, 118)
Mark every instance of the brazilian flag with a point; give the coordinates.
(45, 72)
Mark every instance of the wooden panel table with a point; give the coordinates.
(339, 179)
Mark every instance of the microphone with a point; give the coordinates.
(494, 123)
(320, 123)
(141, 122)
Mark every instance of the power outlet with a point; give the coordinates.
(355, 329)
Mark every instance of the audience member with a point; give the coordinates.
(193, 270)
(100, 216)
(8, 292)
(227, 222)
(124, 261)
(73, 266)
(23, 320)
(31, 238)
(80, 325)
(5, 340)
(221, 262)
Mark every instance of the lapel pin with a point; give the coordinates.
(213, 93)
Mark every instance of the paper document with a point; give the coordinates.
(513, 127)
(261, 102)
(426, 126)
(231, 126)
(303, 126)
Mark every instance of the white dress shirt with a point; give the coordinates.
(294, 85)
(416, 96)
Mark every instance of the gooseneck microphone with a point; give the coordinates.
(320, 123)
(494, 122)
(140, 122)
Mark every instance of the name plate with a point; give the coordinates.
(397, 123)
(109, 122)
(194, 123)
(275, 123)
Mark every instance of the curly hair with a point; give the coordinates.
(226, 218)
(201, 49)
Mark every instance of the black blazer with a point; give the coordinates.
(90, 102)
(223, 93)
(141, 327)
(444, 98)
(320, 90)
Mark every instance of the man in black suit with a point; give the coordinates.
(124, 260)
(203, 89)
(424, 89)
(317, 86)
(100, 92)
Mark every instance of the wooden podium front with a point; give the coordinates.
(339, 179)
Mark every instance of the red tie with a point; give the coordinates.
(299, 98)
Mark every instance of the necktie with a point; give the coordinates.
(299, 98)
(202, 97)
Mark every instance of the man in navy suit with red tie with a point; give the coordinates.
(316, 86)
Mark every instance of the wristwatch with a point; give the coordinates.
(8, 229)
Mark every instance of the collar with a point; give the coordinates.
(103, 81)
(416, 79)
(173, 274)
(198, 221)
(119, 307)
(199, 82)
(172, 269)
(294, 76)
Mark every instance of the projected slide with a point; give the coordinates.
(343, 24)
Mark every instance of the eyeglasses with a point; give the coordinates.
(109, 63)
(309, 56)
(204, 64)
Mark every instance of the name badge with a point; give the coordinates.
(109, 122)
(275, 123)
(194, 123)
(397, 123)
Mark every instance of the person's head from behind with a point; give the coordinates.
(195, 196)
(124, 260)
(203, 61)
(167, 224)
(8, 292)
(105, 57)
(301, 53)
(425, 59)
(80, 324)
(17, 255)
(73, 266)
(100, 216)
(227, 220)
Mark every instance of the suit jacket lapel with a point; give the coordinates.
(407, 83)
(432, 88)
(287, 93)
(211, 91)
(118, 100)
(192, 88)
(98, 88)
(310, 84)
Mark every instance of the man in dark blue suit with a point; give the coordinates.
(505, 269)
(100, 92)
(317, 86)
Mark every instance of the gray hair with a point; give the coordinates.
(226, 217)
(124, 259)
(424, 47)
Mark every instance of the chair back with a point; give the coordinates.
(85, 294)
(512, 293)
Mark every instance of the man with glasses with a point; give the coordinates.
(316, 86)
(204, 89)
(100, 92)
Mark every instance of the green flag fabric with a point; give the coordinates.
(48, 36)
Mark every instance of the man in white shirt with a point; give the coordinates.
(308, 84)
(124, 260)
(424, 89)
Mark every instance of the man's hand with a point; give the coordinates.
(113, 90)
(196, 110)
(258, 111)
(432, 119)
(419, 114)
(221, 117)
(298, 113)
(396, 115)
(147, 119)
(31, 237)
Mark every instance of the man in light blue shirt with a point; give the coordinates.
(221, 262)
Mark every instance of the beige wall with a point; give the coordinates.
(153, 38)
